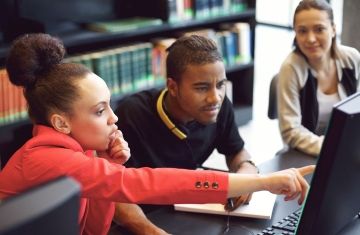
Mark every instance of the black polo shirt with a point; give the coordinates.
(152, 143)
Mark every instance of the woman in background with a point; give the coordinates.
(316, 74)
(75, 135)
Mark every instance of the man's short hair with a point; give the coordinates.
(190, 50)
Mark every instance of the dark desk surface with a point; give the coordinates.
(185, 223)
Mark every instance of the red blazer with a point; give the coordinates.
(50, 154)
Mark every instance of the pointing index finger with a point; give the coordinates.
(306, 170)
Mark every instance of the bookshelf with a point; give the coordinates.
(80, 40)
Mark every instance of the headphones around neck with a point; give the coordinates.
(165, 118)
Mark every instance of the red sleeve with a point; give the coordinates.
(101, 179)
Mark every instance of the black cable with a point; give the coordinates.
(227, 227)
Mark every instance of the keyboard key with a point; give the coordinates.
(286, 226)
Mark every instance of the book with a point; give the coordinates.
(123, 25)
(12, 101)
(243, 32)
(180, 10)
(260, 207)
(159, 55)
(173, 11)
(125, 69)
(205, 32)
(2, 96)
(188, 10)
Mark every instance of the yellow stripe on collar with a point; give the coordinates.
(166, 119)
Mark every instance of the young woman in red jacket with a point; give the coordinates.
(75, 135)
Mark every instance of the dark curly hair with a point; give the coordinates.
(35, 63)
(190, 50)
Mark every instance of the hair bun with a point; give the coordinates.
(31, 56)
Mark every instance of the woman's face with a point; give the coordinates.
(93, 121)
(314, 33)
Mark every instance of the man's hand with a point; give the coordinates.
(233, 203)
(118, 150)
(133, 218)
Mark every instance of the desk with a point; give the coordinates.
(185, 223)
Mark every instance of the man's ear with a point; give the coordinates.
(60, 123)
(172, 86)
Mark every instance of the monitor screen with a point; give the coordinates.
(50, 208)
(333, 199)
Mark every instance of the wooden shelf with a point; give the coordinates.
(77, 39)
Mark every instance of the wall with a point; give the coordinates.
(351, 24)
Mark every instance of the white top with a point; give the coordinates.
(326, 103)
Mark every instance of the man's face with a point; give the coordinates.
(199, 93)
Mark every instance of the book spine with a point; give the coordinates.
(23, 105)
(125, 70)
(230, 47)
(173, 11)
(115, 88)
(143, 66)
(220, 39)
(159, 55)
(244, 32)
(226, 7)
(2, 96)
(148, 47)
(9, 107)
(238, 6)
(188, 9)
(99, 65)
(136, 70)
(180, 10)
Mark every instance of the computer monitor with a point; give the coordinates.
(50, 208)
(333, 200)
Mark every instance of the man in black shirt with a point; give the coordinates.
(181, 125)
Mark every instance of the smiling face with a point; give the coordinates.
(199, 93)
(92, 122)
(314, 33)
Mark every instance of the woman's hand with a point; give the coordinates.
(290, 182)
(118, 151)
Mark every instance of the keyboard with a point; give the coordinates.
(286, 226)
